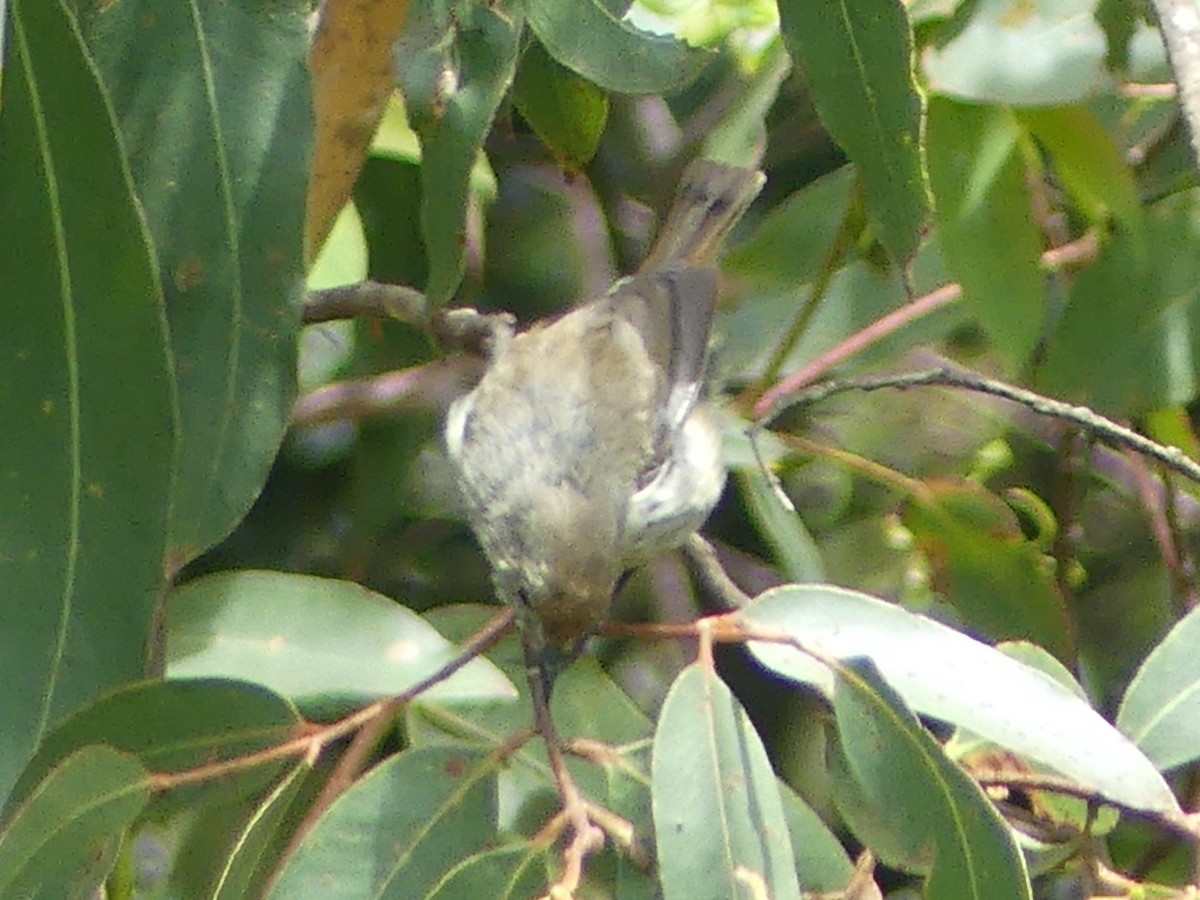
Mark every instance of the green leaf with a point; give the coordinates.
(1171, 168)
(213, 102)
(940, 817)
(949, 676)
(793, 241)
(171, 727)
(62, 841)
(796, 552)
(456, 58)
(985, 229)
(326, 644)
(586, 704)
(249, 862)
(739, 136)
(1089, 163)
(86, 393)
(1161, 708)
(397, 832)
(858, 60)
(718, 820)
(516, 872)
(1127, 341)
(1022, 54)
(821, 861)
(1119, 19)
(566, 112)
(999, 581)
(587, 37)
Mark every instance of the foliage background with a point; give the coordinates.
(179, 448)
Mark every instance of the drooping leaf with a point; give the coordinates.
(214, 105)
(793, 544)
(1161, 708)
(565, 110)
(63, 839)
(821, 861)
(248, 863)
(940, 818)
(718, 819)
(858, 59)
(456, 59)
(86, 392)
(1127, 341)
(171, 727)
(984, 227)
(1089, 164)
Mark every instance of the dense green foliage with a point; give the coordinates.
(229, 540)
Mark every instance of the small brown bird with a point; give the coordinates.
(585, 448)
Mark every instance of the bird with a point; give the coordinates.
(587, 446)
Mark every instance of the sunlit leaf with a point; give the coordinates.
(718, 819)
(945, 674)
(323, 643)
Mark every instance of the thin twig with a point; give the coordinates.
(354, 760)
(1184, 573)
(1138, 90)
(314, 740)
(1077, 251)
(432, 386)
(1150, 493)
(584, 837)
(371, 299)
(731, 628)
(1089, 421)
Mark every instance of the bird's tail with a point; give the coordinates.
(710, 200)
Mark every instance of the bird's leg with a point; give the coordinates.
(585, 837)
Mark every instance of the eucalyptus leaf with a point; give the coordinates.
(214, 107)
(1161, 708)
(586, 36)
(858, 59)
(325, 644)
(455, 59)
(949, 676)
(718, 819)
(88, 412)
(948, 828)
(398, 831)
(62, 841)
